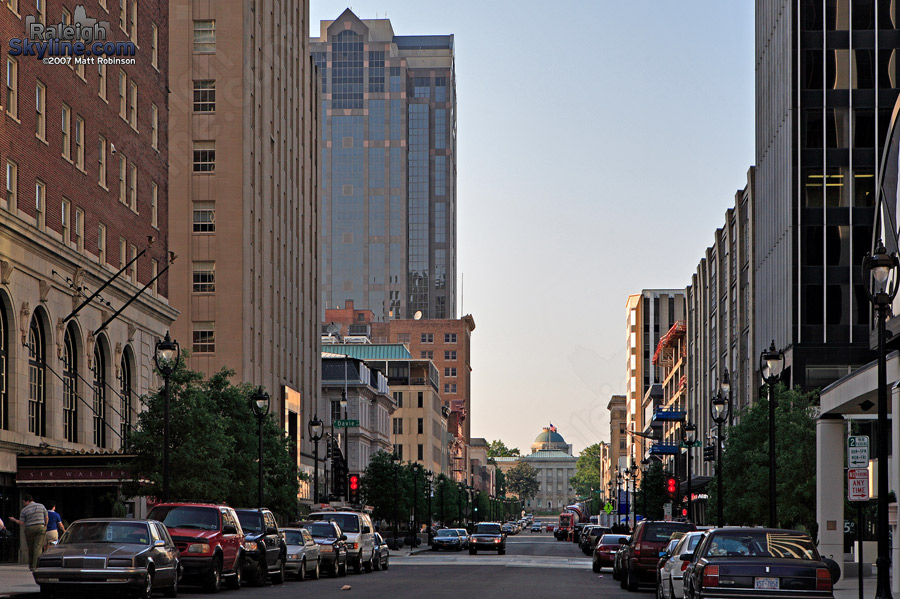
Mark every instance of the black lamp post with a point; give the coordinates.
(645, 468)
(394, 462)
(441, 482)
(619, 480)
(416, 468)
(459, 496)
(316, 429)
(721, 407)
(429, 478)
(167, 357)
(260, 404)
(771, 362)
(880, 275)
(688, 427)
(633, 470)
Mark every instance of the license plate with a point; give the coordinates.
(766, 584)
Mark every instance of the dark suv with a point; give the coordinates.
(487, 535)
(641, 554)
(209, 538)
(265, 551)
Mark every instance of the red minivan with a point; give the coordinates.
(210, 540)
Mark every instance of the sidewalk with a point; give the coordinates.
(16, 579)
(849, 588)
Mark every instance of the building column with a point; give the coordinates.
(895, 445)
(830, 486)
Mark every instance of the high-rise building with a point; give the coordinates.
(388, 133)
(827, 77)
(243, 177)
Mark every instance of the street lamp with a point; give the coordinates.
(721, 407)
(633, 471)
(260, 404)
(394, 462)
(416, 468)
(316, 429)
(645, 468)
(771, 361)
(429, 478)
(619, 479)
(880, 274)
(167, 357)
(688, 427)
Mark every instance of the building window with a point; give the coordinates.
(101, 161)
(204, 37)
(79, 229)
(133, 105)
(12, 87)
(204, 338)
(40, 109)
(123, 94)
(70, 386)
(154, 127)
(64, 219)
(12, 177)
(154, 46)
(450, 355)
(125, 397)
(450, 371)
(134, 265)
(39, 11)
(123, 175)
(449, 387)
(204, 156)
(398, 397)
(427, 354)
(205, 95)
(66, 132)
(420, 399)
(101, 243)
(398, 451)
(204, 217)
(99, 397)
(420, 452)
(398, 426)
(403, 338)
(133, 188)
(154, 272)
(79, 142)
(449, 337)
(123, 251)
(204, 277)
(123, 15)
(40, 198)
(13, 5)
(36, 378)
(420, 426)
(427, 337)
(101, 81)
(154, 205)
(134, 20)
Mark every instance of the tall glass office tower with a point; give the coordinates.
(388, 137)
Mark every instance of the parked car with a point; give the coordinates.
(536, 526)
(304, 554)
(619, 561)
(382, 553)
(464, 536)
(642, 551)
(265, 552)
(111, 554)
(506, 528)
(332, 544)
(604, 554)
(576, 532)
(488, 536)
(590, 536)
(664, 556)
(360, 536)
(210, 539)
(447, 538)
(757, 563)
(671, 576)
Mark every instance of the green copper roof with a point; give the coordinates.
(366, 351)
(549, 437)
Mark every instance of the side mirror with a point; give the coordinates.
(366, 529)
(686, 557)
(343, 537)
(159, 543)
(663, 554)
(623, 541)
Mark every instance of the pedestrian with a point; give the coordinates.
(34, 519)
(54, 526)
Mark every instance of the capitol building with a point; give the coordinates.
(552, 457)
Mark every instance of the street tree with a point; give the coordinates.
(522, 481)
(379, 484)
(498, 449)
(588, 470)
(446, 500)
(652, 492)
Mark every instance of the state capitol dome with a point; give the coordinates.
(549, 439)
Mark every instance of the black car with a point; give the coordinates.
(488, 536)
(332, 546)
(382, 554)
(447, 538)
(265, 552)
(757, 563)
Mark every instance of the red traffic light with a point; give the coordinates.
(684, 511)
(354, 482)
(672, 486)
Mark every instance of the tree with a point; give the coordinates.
(446, 500)
(653, 491)
(588, 470)
(498, 449)
(521, 480)
(500, 482)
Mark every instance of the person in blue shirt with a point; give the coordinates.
(54, 527)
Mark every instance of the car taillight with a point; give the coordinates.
(356, 545)
(823, 579)
(684, 565)
(637, 550)
(711, 576)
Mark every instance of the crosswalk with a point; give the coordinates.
(510, 561)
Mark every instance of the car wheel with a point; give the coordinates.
(301, 574)
(623, 578)
(501, 552)
(334, 570)
(376, 562)
(258, 578)
(315, 573)
(472, 551)
(387, 559)
(632, 581)
(357, 564)
(595, 566)
(172, 589)
(213, 578)
(278, 577)
(146, 591)
(368, 565)
(234, 583)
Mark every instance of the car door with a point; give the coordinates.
(163, 556)
(231, 539)
(310, 549)
(273, 539)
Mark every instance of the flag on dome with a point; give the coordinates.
(552, 428)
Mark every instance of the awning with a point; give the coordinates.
(59, 468)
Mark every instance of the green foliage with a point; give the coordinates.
(445, 503)
(214, 446)
(498, 449)
(385, 481)
(587, 471)
(522, 481)
(745, 460)
(652, 490)
(500, 482)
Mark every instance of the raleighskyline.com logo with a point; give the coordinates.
(83, 41)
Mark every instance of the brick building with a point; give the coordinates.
(84, 153)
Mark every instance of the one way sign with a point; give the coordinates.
(858, 484)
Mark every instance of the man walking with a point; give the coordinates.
(34, 519)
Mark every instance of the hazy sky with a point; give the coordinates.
(599, 145)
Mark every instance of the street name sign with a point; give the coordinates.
(345, 423)
(858, 451)
(858, 484)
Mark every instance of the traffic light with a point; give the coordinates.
(709, 453)
(329, 445)
(672, 487)
(684, 512)
(353, 486)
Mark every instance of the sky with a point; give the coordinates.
(599, 145)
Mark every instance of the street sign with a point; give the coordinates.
(608, 508)
(667, 511)
(858, 451)
(345, 423)
(858, 484)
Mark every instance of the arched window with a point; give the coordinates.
(4, 365)
(70, 386)
(99, 396)
(37, 423)
(125, 392)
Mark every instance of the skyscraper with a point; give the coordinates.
(826, 80)
(388, 137)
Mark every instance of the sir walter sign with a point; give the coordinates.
(858, 484)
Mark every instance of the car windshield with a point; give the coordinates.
(174, 516)
(662, 532)
(134, 533)
(322, 529)
(293, 537)
(487, 528)
(250, 521)
(461, 532)
(346, 522)
(446, 532)
(790, 545)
